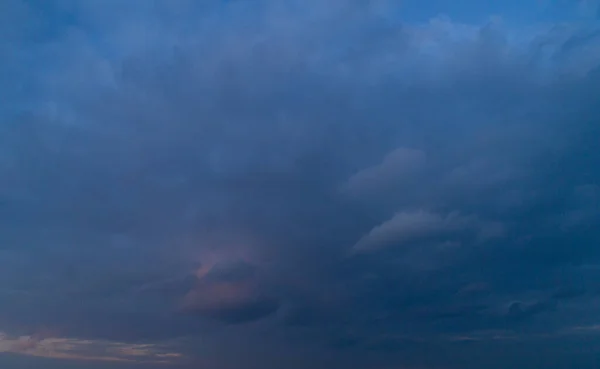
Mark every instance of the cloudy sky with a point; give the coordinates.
(299, 184)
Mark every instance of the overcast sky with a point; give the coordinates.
(266, 184)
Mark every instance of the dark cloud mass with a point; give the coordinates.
(234, 184)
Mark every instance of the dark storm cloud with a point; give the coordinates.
(321, 173)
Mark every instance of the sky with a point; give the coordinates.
(299, 184)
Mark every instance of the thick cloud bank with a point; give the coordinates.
(255, 183)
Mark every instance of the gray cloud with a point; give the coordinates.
(325, 171)
(397, 167)
(230, 292)
(418, 226)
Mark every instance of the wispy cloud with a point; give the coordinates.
(88, 350)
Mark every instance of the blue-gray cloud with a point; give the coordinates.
(299, 176)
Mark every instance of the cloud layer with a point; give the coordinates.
(265, 182)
